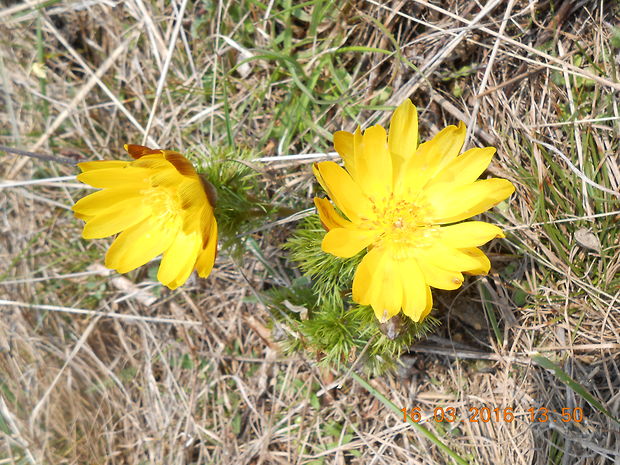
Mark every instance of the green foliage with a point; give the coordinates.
(317, 307)
(306, 64)
(559, 197)
(324, 321)
(331, 275)
(242, 201)
(615, 38)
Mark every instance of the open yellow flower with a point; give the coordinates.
(158, 204)
(400, 201)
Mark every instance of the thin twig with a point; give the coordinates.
(48, 278)
(81, 311)
(10, 183)
(39, 156)
(563, 220)
(300, 156)
(577, 121)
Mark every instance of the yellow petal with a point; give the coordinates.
(179, 259)
(81, 216)
(192, 194)
(344, 144)
(415, 297)
(483, 264)
(441, 255)
(139, 244)
(138, 151)
(206, 259)
(469, 234)
(403, 134)
(345, 243)
(447, 144)
(373, 164)
(319, 178)
(167, 177)
(440, 278)
(101, 165)
(463, 202)
(357, 150)
(364, 275)
(207, 221)
(164, 173)
(121, 216)
(182, 164)
(116, 177)
(387, 297)
(100, 201)
(195, 206)
(429, 303)
(345, 193)
(464, 169)
(377, 282)
(329, 217)
(429, 159)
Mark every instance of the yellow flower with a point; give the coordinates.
(400, 201)
(158, 204)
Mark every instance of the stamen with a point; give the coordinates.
(165, 205)
(403, 224)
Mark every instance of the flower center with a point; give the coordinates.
(165, 205)
(404, 224)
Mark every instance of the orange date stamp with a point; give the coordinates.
(488, 414)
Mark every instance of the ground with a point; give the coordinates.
(98, 368)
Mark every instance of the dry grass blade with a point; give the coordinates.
(82, 311)
(79, 97)
(576, 170)
(101, 368)
(80, 343)
(569, 67)
(164, 71)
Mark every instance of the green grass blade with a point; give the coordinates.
(229, 136)
(419, 428)
(488, 307)
(574, 385)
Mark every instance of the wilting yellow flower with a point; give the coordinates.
(158, 204)
(400, 201)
